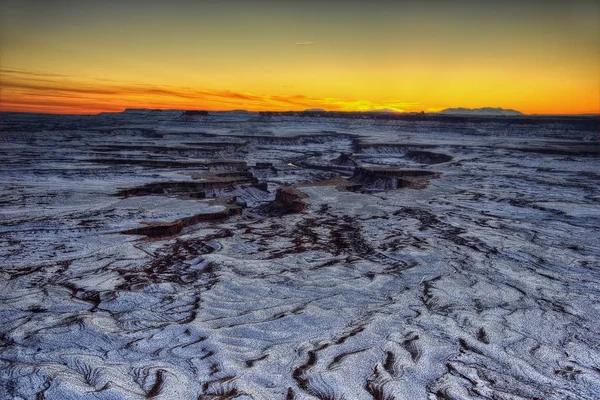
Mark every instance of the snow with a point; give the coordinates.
(482, 284)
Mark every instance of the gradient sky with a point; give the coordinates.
(91, 56)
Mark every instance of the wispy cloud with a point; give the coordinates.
(305, 43)
(26, 91)
(29, 73)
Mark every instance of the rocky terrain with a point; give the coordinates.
(169, 255)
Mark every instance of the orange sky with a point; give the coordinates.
(63, 56)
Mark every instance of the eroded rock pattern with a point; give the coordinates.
(298, 258)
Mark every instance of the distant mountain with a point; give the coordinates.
(382, 111)
(314, 110)
(485, 111)
(140, 110)
(194, 113)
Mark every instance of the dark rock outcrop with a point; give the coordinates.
(190, 188)
(427, 157)
(291, 197)
(344, 159)
(391, 178)
(163, 229)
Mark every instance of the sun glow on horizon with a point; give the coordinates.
(538, 57)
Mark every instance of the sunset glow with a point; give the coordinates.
(85, 57)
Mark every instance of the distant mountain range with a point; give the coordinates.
(491, 111)
(379, 113)
(484, 111)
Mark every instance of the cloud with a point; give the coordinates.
(23, 91)
(29, 73)
(305, 43)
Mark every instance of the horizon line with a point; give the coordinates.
(375, 111)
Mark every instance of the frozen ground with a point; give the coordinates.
(478, 278)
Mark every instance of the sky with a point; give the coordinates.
(537, 56)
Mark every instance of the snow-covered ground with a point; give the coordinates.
(481, 280)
